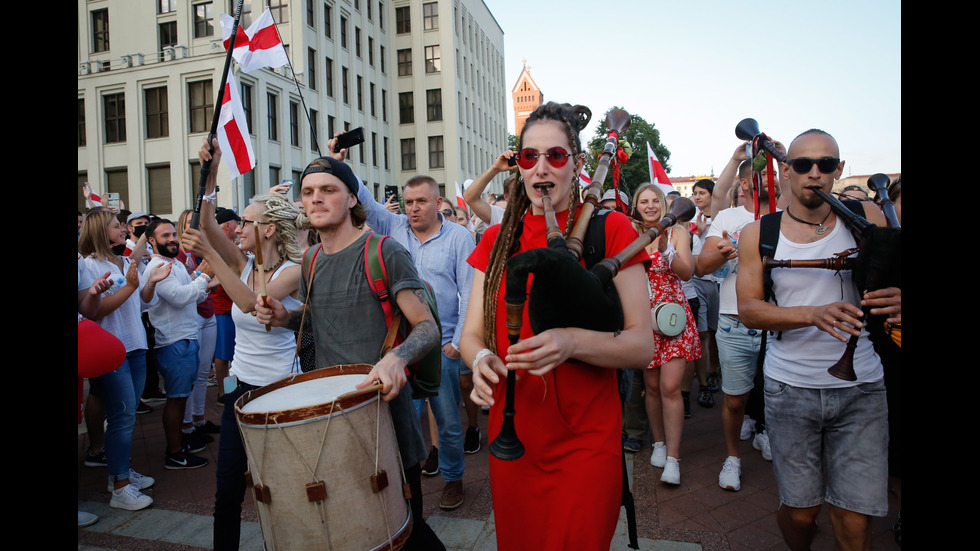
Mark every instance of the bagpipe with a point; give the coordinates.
(876, 263)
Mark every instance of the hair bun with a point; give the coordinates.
(582, 116)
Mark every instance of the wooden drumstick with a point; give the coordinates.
(260, 269)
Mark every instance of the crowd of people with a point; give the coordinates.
(193, 306)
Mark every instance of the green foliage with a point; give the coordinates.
(636, 171)
(511, 141)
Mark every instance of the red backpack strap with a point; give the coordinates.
(377, 274)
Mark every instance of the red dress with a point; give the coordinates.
(565, 492)
(666, 285)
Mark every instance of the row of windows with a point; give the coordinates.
(433, 60)
(433, 106)
(430, 18)
(167, 31)
(437, 153)
(328, 9)
(328, 65)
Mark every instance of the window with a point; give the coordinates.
(403, 23)
(81, 122)
(371, 51)
(280, 10)
(382, 56)
(168, 6)
(117, 181)
(327, 27)
(158, 180)
(294, 124)
(381, 15)
(273, 175)
(157, 121)
(433, 63)
(311, 63)
(310, 14)
(343, 31)
(344, 85)
(408, 154)
(436, 152)
(329, 77)
(374, 110)
(272, 118)
(357, 41)
(314, 116)
(201, 106)
(331, 126)
(433, 103)
(374, 147)
(246, 93)
(360, 93)
(384, 105)
(386, 153)
(430, 16)
(203, 20)
(369, 9)
(404, 62)
(168, 34)
(406, 108)
(115, 117)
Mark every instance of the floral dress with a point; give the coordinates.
(666, 286)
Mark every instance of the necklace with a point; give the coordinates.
(819, 227)
(270, 268)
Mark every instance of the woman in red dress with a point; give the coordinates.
(565, 492)
(671, 262)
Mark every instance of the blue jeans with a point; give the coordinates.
(232, 464)
(119, 392)
(445, 408)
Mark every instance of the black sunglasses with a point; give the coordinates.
(826, 165)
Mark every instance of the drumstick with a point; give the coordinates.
(260, 270)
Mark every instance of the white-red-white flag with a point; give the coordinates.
(584, 179)
(657, 174)
(258, 46)
(459, 195)
(233, 136)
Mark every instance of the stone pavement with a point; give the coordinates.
(697, 515)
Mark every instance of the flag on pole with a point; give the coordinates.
(233, 137)
(584, 179)
(657, 174)
(257, 47)
(459, 194)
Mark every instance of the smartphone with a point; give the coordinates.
(288, 183)
(748, 150)
(349, 139)
(389, 191)
(112, 201)
(512, 161)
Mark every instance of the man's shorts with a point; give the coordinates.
(738, 353)
(177, 363)
(225, 344)
(707, 314)
(830, 445)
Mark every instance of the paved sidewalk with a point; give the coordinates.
(697, 515)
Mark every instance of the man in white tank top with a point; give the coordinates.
(829, 436)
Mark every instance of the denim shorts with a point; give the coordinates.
(177, 363)
(738, 353)
(224, 348)
(830, 445)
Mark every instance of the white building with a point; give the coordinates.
(148, 73)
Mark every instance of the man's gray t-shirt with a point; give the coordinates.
(349, 324)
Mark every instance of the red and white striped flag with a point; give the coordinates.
(459, 195)
(584, 179)
(257, 47)
(233, 137)
(657, 174)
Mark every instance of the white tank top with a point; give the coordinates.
(802, 356)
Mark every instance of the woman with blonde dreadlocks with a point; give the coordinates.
(270, 221)
(565, 492)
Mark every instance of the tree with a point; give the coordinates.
(511, 141)
(636, 171)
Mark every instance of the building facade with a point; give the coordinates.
(148, 73)
(527, 97)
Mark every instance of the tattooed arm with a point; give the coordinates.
(424, 336)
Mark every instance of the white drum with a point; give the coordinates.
(324, 463)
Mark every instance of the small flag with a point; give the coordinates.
(583, 178)
(233, 137)
(259, 47)
(657, 174)
(459, 195)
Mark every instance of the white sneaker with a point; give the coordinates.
(140, 481)
(86, 519)
(672, 472)
(659, 457)
(748, 427)
(761, 443)
(130, 498)
(731, 473)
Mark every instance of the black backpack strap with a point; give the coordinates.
(594, 247)
(768, 239)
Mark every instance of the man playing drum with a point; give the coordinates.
(341, 293)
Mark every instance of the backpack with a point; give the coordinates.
(424, 375)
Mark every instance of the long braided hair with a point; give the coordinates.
(573, 119)
(286, 217)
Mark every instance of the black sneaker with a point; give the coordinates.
(221, 400)
(686, 397)
(209, 428)
(714, 382)
(196, 440)
(472, 442)
(143, 408)
(431, 465)
(706, 400)
(183, 460)
(97, 460)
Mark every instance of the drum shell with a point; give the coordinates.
(333, 442)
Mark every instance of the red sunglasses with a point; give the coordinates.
(557, 157)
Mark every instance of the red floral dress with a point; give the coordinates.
(665, 285)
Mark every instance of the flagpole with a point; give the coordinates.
(206, 165)
(292, 73)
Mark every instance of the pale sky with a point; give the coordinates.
(696, 68)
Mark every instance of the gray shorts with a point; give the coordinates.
(738, 353)
(830, 445)
(707, 315)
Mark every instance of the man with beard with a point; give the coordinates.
(174, 319)
(738, 346)
(829, 436)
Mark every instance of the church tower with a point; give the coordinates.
(527, 97)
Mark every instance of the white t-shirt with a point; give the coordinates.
(123, 322)
(731, 220)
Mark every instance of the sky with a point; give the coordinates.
(695, 68)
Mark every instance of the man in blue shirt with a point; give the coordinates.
(439, 248)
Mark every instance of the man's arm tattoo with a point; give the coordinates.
(419, 342)
(296, 316)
